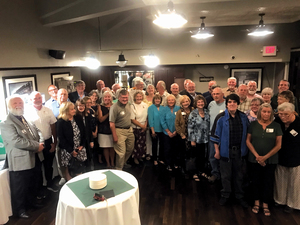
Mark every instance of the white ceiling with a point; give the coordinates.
(217, 12)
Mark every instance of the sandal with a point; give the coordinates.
(267, 212)
(255, 209)
(196, 178)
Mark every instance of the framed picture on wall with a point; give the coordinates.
(57, 76)
(19, 85)
(243, 76)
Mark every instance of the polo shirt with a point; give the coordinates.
(120, 115)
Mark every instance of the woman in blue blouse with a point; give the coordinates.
(156, 129)
(167, 119)
(198, 133)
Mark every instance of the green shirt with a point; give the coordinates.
(120, 115)
(264, 141)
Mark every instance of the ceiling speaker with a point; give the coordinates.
(57, 54)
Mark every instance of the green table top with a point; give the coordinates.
(85, 194)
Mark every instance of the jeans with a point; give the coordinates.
(215, 164)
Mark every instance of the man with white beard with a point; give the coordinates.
(252, 87)
(22, 141)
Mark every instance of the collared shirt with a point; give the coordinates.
(164, 97)
(54, 108)
(177, 98)
(132, 91)
(154, 119)
(42, 119)
(120, 115)
(245, 105)
(235, 130)
(49, 102)
(254, 96)
(227, 91)
(139, 112)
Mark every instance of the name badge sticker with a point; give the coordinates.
(183, 113)
(270, 130)
(221, 111)
(122, 113)
(294, 133)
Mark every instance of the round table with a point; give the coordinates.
(122, 209)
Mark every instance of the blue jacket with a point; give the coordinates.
(154, 118)
(167, 118)
(220, 133)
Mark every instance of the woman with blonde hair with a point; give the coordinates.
(71, 136)
(167, 120)
(264, 141)
(105, 138)
(139, 114)
(181, 121)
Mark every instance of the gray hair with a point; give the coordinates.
(138, 80)
(31, 96)
(267, 90)
(231, 78)
(107, 93)
(162, 83)
(174, 84)
(10, 98)
(265, 105)
(286, 106)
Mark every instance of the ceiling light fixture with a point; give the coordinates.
(91, 62)
(151, 60)
(170, 19)
(121, 60)
(202, 33)
(261, 28)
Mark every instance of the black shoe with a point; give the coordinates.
(288, 209)
(223, 201)
(23, 215)
(37, 205)
(243, 203)
(53, 188)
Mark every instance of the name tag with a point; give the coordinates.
(175, 113)
(221, 111)
(122, 113)
(183, 113)
(270, 130)
(294, 133)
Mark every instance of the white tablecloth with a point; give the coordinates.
(122, 209)
(5, 201)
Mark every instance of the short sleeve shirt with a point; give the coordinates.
(120, 115)
(264, 141)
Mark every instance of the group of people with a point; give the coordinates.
(232, 129)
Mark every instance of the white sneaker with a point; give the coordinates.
(62, 181)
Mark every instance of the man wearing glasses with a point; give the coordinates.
(52, 90)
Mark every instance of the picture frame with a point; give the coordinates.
(56, 76)
(22, 85)
(244, 75)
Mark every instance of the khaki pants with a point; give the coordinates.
(124, 146)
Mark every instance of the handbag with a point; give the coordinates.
(76, 166)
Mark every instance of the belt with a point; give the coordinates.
(235, 147)
(124, 128)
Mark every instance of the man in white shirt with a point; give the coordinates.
(174, 91)
(215, 107)
(44, 120)
(161, 88)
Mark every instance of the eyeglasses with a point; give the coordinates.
(284, 115)
(52, 90)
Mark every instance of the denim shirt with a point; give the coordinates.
(198, 127)
(167, 118)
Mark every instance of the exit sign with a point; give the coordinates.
(270, 51)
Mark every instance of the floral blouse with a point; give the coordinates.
(198, 127)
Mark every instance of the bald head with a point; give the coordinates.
(175, 89)
(243, 91)
(210, 84)
(62, 96)
(52, 91)
(100, 84)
